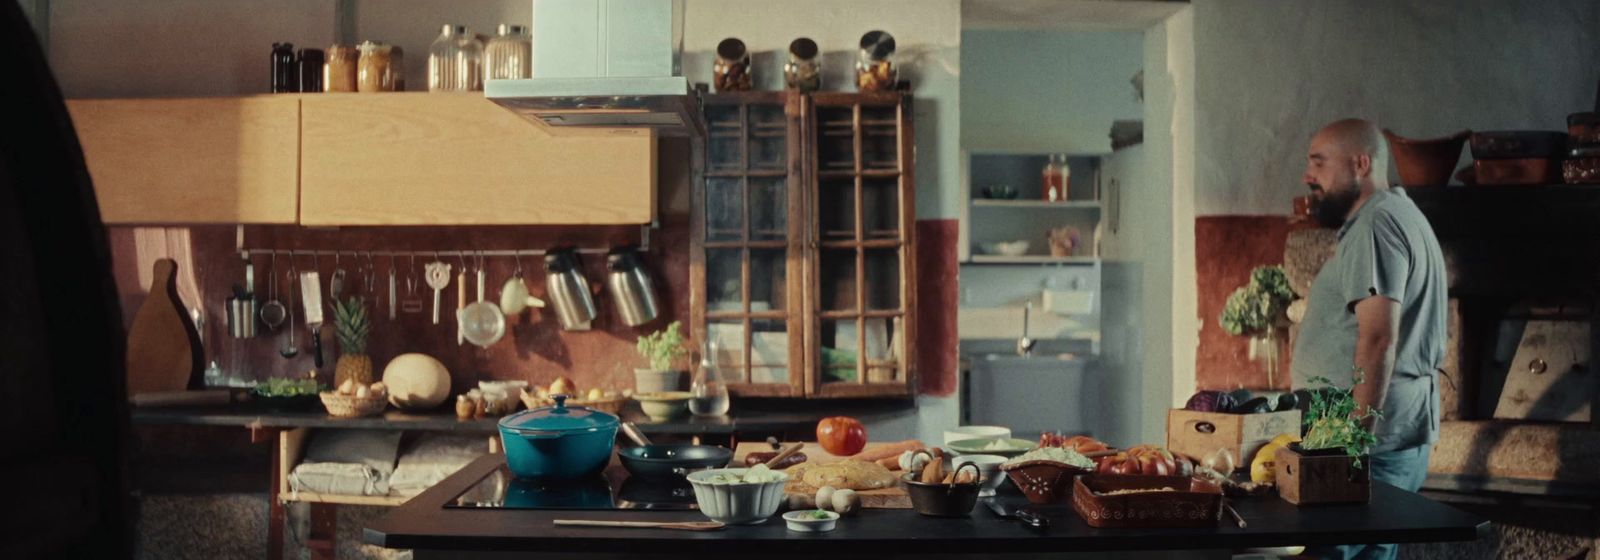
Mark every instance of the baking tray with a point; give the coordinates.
(1194, 503)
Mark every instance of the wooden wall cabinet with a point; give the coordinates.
(456, 159)
(203, 161)
(803, 255)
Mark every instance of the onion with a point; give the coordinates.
(1220, 460)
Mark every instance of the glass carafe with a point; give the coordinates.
(455, 61)
(708, 392)
(509, 55)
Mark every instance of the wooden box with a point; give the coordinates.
(1305, 479)
(1198, 434)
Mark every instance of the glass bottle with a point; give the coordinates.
(455, 61)
(285, 72)
(875, 71)
(310, 63)
(731, 71)
(509, 55)
(708, 391)
(378, 68)
(1055, 178)
(804, 70)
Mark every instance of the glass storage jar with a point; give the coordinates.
(875, 70)
(455, 61)
(731, 71)
(339, 70)
(285, 72)
(1056, 179)
(509, 55)
(378, 68)
(309, 65)
(804, 70)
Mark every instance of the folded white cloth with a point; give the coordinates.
(337, 478)
(432, 457)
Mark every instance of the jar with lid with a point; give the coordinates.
(455, 61)
(339, 70)
(803, 72)
(731, 71)
(1056, 179)
(309, 63)
(378, 68)
(285, 72)
(875, 70)
(509, 55)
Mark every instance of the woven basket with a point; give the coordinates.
(612, 405)
(1044, 482)
(350, 406)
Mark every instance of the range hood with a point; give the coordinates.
(605, 64)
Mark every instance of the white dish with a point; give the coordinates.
(800, 521)
(1006, 248)
(988, 470)
(748, 503)
(976, 432)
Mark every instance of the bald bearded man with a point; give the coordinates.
(1378, 305)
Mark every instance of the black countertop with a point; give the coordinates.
(748, 417)
(1393, 516)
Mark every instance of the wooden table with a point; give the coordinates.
(423, 524)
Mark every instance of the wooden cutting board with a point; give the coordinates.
(884, 498)
(164, 351)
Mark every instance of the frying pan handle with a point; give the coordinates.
(633, 433)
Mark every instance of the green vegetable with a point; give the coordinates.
(818, 514)
(1258, 305)
(662, 347)
(288, 387)
(1335, 419)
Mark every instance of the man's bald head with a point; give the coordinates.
(1353, 137)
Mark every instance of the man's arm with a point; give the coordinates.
(1377, 327)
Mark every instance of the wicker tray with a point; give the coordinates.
(350, 406)
(612, 405)
(1043, 482)
(1195, 503)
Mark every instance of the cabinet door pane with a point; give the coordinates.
(724, 208)
(836, 149)
(838, 279)
(769, 138)
(880, 147)
(880, 208)
(769, 208)
(723, 280)
(837, 351)
(836, 208)
(769, 352)
(729, 336)
(768, 279)
(883, 279)
(885, 348)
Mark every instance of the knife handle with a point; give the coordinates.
(316, 346)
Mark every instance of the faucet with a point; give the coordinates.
(1025, 344)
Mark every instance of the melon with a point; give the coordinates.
(416, 382)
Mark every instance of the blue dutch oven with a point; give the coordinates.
(558, 441)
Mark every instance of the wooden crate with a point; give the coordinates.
(1198, 434)
(1322, 479)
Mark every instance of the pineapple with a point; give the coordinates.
(352, 326)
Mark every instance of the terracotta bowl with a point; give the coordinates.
(1429, 162)
(1044, 482)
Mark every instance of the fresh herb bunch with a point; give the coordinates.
(1336, 420)
(1259, 305)
(662, 347)
(288, 387)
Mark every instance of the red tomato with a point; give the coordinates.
(841, 435)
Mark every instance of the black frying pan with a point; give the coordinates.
(668, 461)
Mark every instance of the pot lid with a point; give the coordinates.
(559, 418)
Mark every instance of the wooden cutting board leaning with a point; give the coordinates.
(164, 351)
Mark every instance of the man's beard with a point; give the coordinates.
(1332, 207)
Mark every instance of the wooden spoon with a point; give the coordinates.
(787, 451)
(682, 526)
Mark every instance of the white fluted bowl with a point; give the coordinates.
(744, 503)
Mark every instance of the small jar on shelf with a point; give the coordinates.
(1056, 179)
(339, 71)
(804, 69)
(509, 55)
(379, 68)
(875, 69)
(455, 61)
(285, 71)
(731, 71)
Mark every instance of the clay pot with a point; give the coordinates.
(1426, 162)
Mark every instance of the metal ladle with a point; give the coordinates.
(289, 349)
(272, 312)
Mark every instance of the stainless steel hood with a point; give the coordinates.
(605, 64)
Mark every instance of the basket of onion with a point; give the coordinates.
(353, 399)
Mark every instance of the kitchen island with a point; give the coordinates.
(433, 530)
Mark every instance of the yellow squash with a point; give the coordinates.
(1261, 465)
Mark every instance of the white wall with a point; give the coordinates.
(1185, 336)
(1046, 91)
(1272, 71)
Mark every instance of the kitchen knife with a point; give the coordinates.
(311, 296)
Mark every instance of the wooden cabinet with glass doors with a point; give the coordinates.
(803, 253)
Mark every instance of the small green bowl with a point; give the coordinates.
(665, 405)
(979, 446)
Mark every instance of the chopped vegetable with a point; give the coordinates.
(758, 474)
(1056, 454)
(818, 514)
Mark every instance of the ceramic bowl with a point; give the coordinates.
(801, 521)
(663, 406)
(987, 446)
(737, 503)
(975, 432)
(1006, 248)
(988, 469)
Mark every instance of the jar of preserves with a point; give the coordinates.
(875, 70)
(285, 73)
(455, 61)
(1056, 179)
(509, 55)
(731, 71)
(339, 70)
(378, 68)
(804, 69)
(309, 65)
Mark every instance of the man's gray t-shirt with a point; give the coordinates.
(1387, 249)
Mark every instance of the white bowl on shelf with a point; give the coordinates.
(1006, 248)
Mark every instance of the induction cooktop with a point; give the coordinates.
(612, 489)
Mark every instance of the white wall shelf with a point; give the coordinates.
(1030, 259)
(1036, 204)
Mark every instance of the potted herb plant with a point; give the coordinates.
(662, 349)
(1329, 465)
